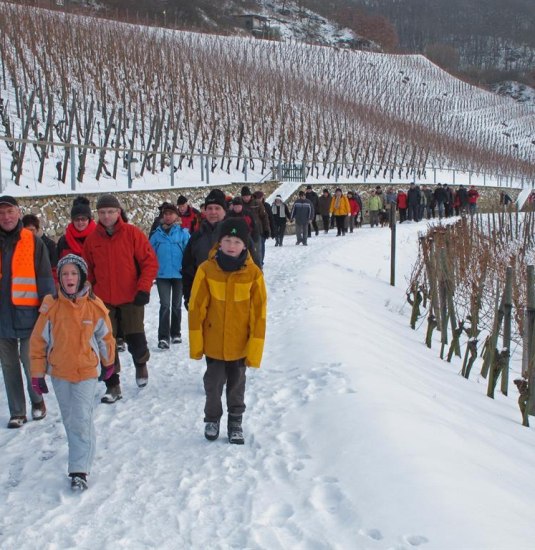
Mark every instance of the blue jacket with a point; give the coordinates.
(169, 247)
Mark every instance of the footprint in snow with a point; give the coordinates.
(415, 540)
(373, 534)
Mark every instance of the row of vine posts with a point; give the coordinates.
(474, 282)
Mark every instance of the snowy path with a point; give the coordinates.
(357, 436)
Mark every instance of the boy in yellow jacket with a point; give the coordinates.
(72, 337)
(227, 324)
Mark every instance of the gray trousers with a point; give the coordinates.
(76, 403)
(11, 358)
(217, 374)
(301, 232)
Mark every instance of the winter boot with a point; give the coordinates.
(211, 430)
(142, 375)
(121, 346)
(163, 344)
(16, 422)
(113, 394)
(235, 432)
(38, 410)
(78, 482)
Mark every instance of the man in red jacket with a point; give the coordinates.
(122, 267)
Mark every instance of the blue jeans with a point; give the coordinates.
(170, 292)
(76, 403)
(11, 358)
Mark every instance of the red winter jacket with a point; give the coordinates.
(120, 265)
(472, 196)
(190, 219)
(354, 207)
(402, 200)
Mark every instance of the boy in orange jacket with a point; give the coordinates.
(227, 324)
(72, 337)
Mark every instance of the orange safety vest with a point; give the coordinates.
(23, 278)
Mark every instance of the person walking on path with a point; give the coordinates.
(26, 278)
(402, 205)
(302, 213)
(312, 196)
(324, 209)
(340, 210)
(473, 195)
(280, 215)
(74, 320)
(121, 268)
(227, 324)
(354, 211)
(375, 205)
(169, 242)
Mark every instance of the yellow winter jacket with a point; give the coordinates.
(343, 206)
(71, 338)
(227, 312)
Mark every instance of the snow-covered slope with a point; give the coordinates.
(357, 435)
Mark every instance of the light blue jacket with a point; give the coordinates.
(169, 248)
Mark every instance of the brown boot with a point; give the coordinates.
(39, 410)
(142, 375)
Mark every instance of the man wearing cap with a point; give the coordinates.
(189, 216)
(121, 267)
(202, 240)
(25, 279)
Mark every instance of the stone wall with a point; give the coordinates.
(141, 207)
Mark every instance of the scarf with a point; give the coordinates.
(229, 263)
(337, 202)
(75, 239)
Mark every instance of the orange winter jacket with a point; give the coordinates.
(343, 206)
(71, 338)
(227, 312)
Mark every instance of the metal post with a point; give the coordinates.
(129, 169)
(245, 163)
(434, 175)
(527, 360)
(392, 244)
(202, 167)
(335, 173)
(172, 168)
(1, 181)
(73, 168)
(207, 169)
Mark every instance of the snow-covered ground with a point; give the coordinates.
(357, 435)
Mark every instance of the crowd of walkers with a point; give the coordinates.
(68, 308)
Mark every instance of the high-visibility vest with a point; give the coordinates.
(23, 278)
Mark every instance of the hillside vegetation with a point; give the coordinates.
(88, 81)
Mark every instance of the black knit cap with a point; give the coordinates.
(108, 201)
(216, 196)
(181, 200)
(80, 207)
(234, 227)
(169, 206)
(245, 191)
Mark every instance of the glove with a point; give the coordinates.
(106, 372)
(142, 298)
(39, 385)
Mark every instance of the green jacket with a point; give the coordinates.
(375, 203)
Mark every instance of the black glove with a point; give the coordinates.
(142, 298)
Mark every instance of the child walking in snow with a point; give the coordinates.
(71, 338)
(227, 324)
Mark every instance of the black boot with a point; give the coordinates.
(235, 432)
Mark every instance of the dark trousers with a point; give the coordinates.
(314, 224)
(340, 225)
(413, 212)
(326, 221)
(402, 215)
(170, 293)
(218, 373)
(280, 229)
(132, 323)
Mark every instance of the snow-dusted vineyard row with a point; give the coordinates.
(89, 81)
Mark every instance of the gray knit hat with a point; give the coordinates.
(80, 264)
(108, 201)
